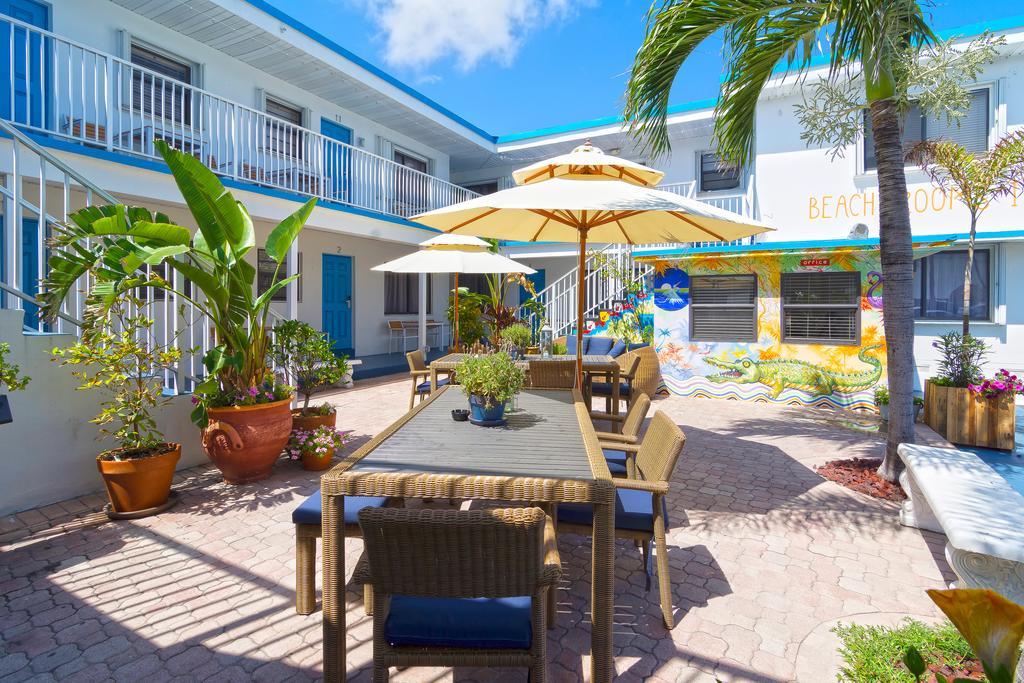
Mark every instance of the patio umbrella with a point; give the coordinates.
(584, 196)
(453, 254)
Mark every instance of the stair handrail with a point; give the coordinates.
(28, 298)
(55, 161)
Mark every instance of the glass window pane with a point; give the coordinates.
(714, 175)
(939, 285)
(971, 131)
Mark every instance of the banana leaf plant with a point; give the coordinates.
(114, 244)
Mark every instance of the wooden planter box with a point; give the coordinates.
(966, 418)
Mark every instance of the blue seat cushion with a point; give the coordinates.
(605, 389)
(424, 387)
(483, 623)
(634, 511)
(618, 348)
(311, 509)
(600, 346)
(616, 461)
(570, 344)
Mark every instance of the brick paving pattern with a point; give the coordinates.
(762, 550)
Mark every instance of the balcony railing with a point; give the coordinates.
(62, 88)
(740, 201)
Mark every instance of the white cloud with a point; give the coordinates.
(419, 33)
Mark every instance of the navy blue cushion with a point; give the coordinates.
(424, 387)
(618, 348)
(311, 510)
(605, 389)
(616, 461)
(634, 347)
(485, 623)
(570, 344)
(634, 511)
(600, 346)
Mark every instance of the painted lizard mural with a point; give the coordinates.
(780, 374)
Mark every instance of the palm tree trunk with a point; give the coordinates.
(898, 274)
(967, 274)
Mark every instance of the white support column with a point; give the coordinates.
(422, 308)
(292, 289)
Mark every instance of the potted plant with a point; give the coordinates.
(115, 355)
(311, 366)
(515, 339)
(882, 402)
(244, 414)
(489, 382)
(10, 377)
(956, 407)
(316, 447)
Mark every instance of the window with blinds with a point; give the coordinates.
(723, 308)
(284, 131)
(821, 308)
(939, 285)
(266, 267)
(971, 131)
(157, 90)
(716, 175)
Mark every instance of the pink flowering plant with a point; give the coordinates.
(321, 442)
(1002, 384)
(267, 392)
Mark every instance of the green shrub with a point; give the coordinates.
(881, 396)
(961, 358)
(9, 372)
(517, 336)
(874, 654)
(494, 377)
(471, 324)
(308, 360)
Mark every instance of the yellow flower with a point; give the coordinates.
(992, 625)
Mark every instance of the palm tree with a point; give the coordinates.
(976, 180)
(760, 35)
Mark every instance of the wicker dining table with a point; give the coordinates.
(593, 366)
(548, 452)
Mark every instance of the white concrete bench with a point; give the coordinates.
(960, 495)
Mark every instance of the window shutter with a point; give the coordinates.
(821, 307)
(723, 308)
(714, 175)
(972, 131)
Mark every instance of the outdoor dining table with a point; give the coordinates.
(596, 365)
(548, 452)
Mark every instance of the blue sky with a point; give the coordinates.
(514, 65)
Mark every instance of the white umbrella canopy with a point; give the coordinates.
(453, 254)
(588, 161)
(589, 195)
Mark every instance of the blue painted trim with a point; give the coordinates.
(800, 245)
(359, 61)
(965, 31)
(160, 167)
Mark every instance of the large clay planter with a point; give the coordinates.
(966, 418)
(311, 422)
(315, 464)
(139, 484)
(244, 442)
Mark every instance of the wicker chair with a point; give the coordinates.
(306, 518)
(647, 377)
(620, 462)
(418, 370)
(552, 374)
(641, 513)
(628, 364)
(459, 587)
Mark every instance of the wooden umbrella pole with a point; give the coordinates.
(457, 340)
(580, 298)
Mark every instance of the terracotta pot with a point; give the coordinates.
(312, 422)
(315, 464)
(142, 483)
(244, 442)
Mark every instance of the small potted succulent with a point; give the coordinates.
(112, 355)
(309, 363)
(489, 382)
(10, 377)
(316, 447)
(515, 340)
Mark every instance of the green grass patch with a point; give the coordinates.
(874, 654)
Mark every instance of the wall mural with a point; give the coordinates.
(841, 376)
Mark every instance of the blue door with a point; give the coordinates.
(337, 301)
(23, 63)
(337, 160)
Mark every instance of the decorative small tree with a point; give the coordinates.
(112, 355)
(308, 361)
(961, 356)
(975, 180)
